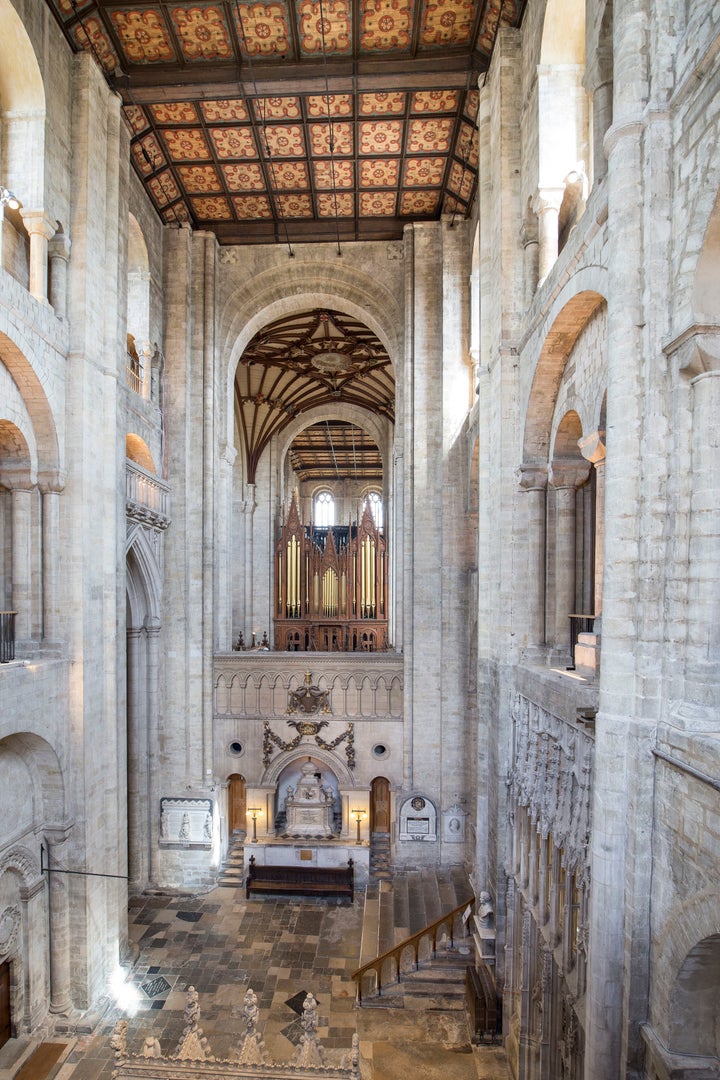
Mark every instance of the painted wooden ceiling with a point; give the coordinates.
(297, 120)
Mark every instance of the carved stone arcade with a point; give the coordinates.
(193, 1056)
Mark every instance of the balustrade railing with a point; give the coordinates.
(394, 955)
(146, 491)
(7, 636)
(134, 376)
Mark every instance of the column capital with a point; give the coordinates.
(546, 199)
(52, 482)
(58, 834)
(59, 246)
(38, 221)
(592, 447)
(532, 477)
(570, 475)
(696, 349)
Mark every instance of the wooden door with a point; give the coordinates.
(5, 1019)
(236, 804)
(380, 805)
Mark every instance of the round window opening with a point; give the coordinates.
(380, 750)
(236, 748)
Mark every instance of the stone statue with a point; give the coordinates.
(485, 910)
(184, 833)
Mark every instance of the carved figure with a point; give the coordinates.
(485, 909)
(184, 833)
(118, 1039)
(151, 1048)
(207, 827)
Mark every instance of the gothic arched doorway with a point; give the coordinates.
(380, 805)
(236, 804)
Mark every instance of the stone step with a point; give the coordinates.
(232, 872)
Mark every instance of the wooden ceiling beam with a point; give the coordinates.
(148, 86)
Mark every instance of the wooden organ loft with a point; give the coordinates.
(330, 586)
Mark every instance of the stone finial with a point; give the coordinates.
(193, 1046)
(309, 1052)
(251, 1049)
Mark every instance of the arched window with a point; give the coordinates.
(324, 509)
(376, 507)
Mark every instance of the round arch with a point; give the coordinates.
(331, 760)
(284, 291)
(566, 325)
(38, 409)
(692, 923)
(22, 98)
(44, 768)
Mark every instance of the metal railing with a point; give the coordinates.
(7, 636)
(579, 624)
(412, 942)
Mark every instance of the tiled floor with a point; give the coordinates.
(222, 944)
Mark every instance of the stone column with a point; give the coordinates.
(41, 229)
(547, 207)
(152, 668)
(533, 481)
(566, 479)
(60, 999)
(700, 363)
(59, 253)
(592, 448)
(618, 942)
(21, 564)
(137, 814)
(249, 507)
(50, 566)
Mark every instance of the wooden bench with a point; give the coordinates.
(304, 880)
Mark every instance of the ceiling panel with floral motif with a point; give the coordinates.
(297, 120)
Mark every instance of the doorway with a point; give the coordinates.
(236, 804)
(5, 1017)
(380, 805)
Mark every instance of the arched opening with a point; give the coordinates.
(138, 311)
(136, 449)
(22, 152)
(142, 688)
(35, 939)
(314, 401)
(380, 817)
(237, 805)
(563, 147)
(571, 536)
(694, 1027)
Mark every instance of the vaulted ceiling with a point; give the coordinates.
(297, 120)
(299, 363)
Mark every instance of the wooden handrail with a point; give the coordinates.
(414, 940)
